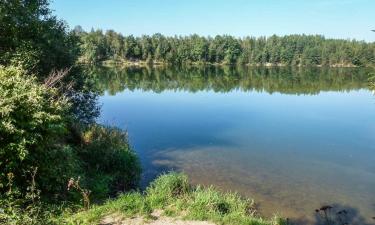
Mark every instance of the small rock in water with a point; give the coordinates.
(324, 208)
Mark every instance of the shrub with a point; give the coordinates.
(36, 132)
(111, 165)
(32, 120)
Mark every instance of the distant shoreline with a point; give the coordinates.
(142, 63)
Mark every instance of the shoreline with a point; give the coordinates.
(139, 63)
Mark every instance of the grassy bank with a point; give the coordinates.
(173, 194)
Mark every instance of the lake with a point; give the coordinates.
(292, 139)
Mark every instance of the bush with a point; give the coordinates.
(36, 132)
(111, 165)
(32, 121)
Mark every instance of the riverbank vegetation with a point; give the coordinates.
(43, 145)
(295, 50)
(173, 194)
(48, 134)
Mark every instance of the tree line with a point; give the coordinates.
(296, 50)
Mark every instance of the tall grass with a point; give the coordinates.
(172, 193)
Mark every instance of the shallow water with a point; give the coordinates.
(292, 139)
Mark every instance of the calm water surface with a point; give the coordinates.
(292, 139)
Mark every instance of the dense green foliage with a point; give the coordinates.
(299, 50)
(47, 121)
(172, 193)
(224, 79)
(32, 119)
(109, 163)
(34, 39)
(37, 131)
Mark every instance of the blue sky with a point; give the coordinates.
(344, 19)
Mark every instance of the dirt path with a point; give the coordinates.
(158, 219)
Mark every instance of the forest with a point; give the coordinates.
(295, 50)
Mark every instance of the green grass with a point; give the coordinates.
(172, 193)
(126, 205)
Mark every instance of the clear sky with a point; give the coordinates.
(332, 18)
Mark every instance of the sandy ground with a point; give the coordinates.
(158, 219)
